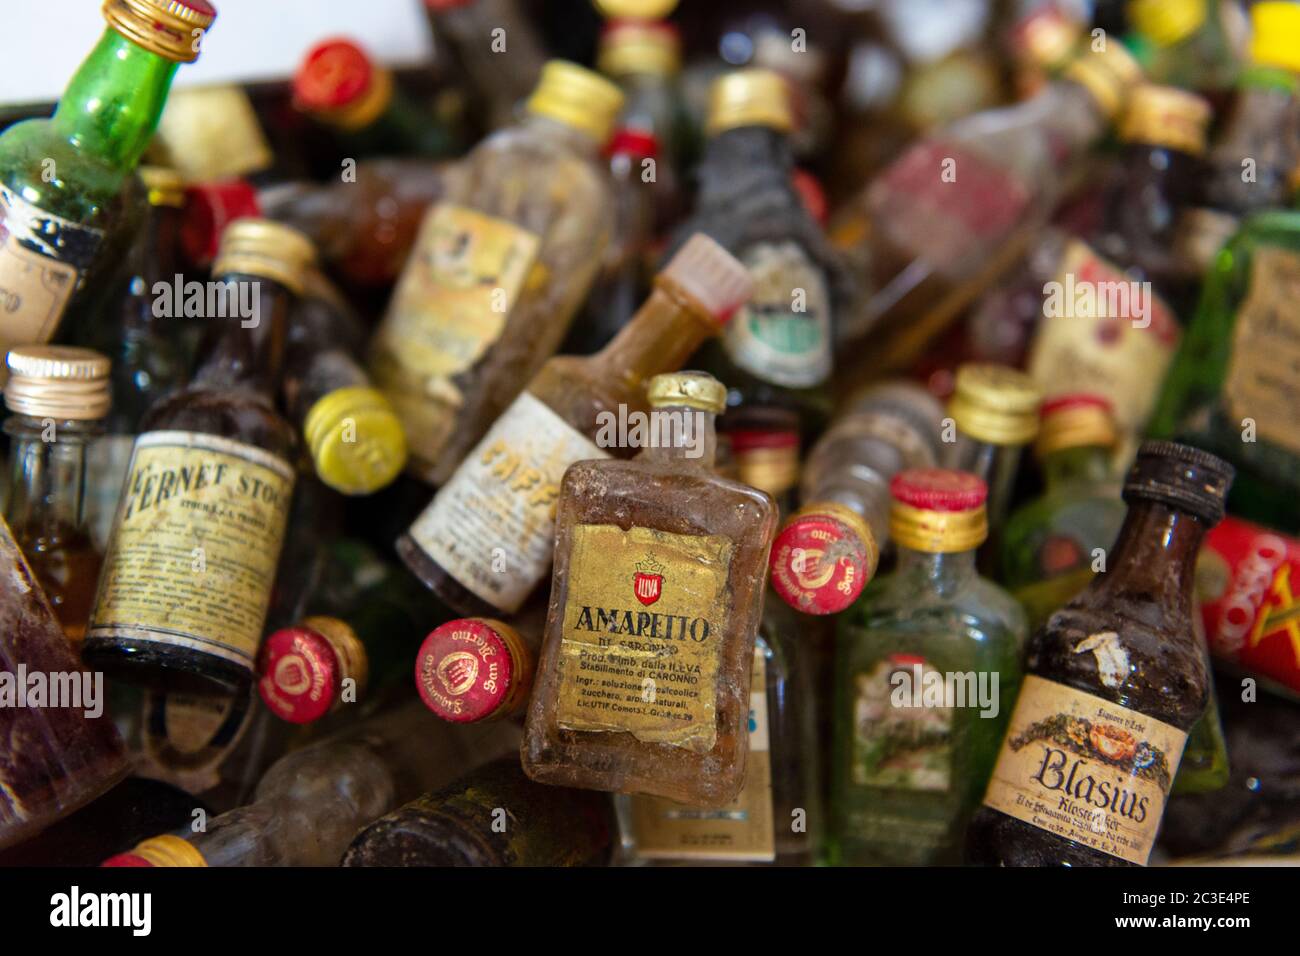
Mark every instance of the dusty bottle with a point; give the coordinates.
(696, 575)
(186, 585)
(58, 397)
(549, 826)
(475, 669)
(500, 504)
(1115, 680)
(60, 177)
(500, 267)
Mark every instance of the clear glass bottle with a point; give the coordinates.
(1114, 682)
(58, 397)
(909, 763)
(60, 177)
(499, 269)
(485, 542)
(596, 718)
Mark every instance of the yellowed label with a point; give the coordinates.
(643, 626)
(211, 133)
(742, 830)
(1263, 380)
(463, 278)
(1086, 769)
(195, 544)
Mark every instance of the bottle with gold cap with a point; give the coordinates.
(341, 87)
(644, 678)
(57, 397)
(1051, 545)
(192, 556)
(485, 542)
(476, 668)
(927, 668)
(777, 349)
(1195, 44)
(952, 213)
(994, 410)
(499, 269)
(60, 177)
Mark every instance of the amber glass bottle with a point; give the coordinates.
(192, 558)
(653, 696)
(58, 396)
(1114, 682)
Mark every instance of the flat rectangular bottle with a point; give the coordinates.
(643, 682)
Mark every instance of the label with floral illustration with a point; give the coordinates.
(644, 621)
(463, 279)
(782, 334)
(1263, 380)
(1086, 769)
(902, 748)
(742, 830)
(492, 526)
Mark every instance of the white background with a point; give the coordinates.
(44, 41)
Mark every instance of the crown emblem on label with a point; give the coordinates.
(648, 582)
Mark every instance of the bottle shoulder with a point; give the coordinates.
(40, 165)
(910, 601)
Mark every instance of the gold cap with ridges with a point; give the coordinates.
(711, 275)
(577, 97)
(1106, 73)
(164, 186)
(631, 47)
(58, 381)
(1075, 421)
(749, 98)
(690, 389)
(995, 404)
(169, 28)
(260, 247)
(1166, 116)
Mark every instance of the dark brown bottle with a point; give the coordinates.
(191, 560)
(1114, 682)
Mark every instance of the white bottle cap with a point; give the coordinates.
(711, 275)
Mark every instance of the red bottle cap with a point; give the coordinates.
(939, 489)
(1061, 403)
(209, 208)
(822, 558)
(633, 142)
(126, 859)
(755, 439)
(473, 669)
(303, 668)
(334, 74)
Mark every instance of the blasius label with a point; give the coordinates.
(650, 673)
(194, 547)
(1085, 769)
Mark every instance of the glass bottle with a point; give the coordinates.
(1194, 44)
(56, 758)
(190, 564)
(909, 764)
(340, 86)
(954, 211)
(148, 360)
(777, 349)
(486, 541)
(58, 397)
(549, 826)
(995, 411)
(1041, 43)
(696, 575)
(312, 801)
(475, 669)
(1114, 682)
(1051, 543)
(499, 269)
(353, 434)
(828, 550)
(60, 177)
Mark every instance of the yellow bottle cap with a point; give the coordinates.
(691, 389)
(165, 850)
(1166, 22)
(260, 247)
(629, 47)
(577, 97)
(1106, 72)
(749, 98)
(169, 28)
(635, 9)
(58, 381)
(1166, 116)
(995, 404)
(356, 440)
(164, 185)
(1275, 35)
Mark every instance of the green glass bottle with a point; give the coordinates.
(928, 668)
(60, 177)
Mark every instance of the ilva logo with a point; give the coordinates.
(648, 581)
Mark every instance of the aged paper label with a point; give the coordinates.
(644, 620)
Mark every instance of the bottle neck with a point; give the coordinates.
(1153, 560)
(150, 260)
(997, 465)
(1084, 465)
(683, 435)
(113, 104)
(246, 350)
(575, 139)
(663, 334)
(942, 574)
(48, 474)
(744, 162)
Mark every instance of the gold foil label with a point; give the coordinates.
(1263, 380)
(1086, 769)
(462, 280)
(195, 544)
(742, 830)
(644, 621)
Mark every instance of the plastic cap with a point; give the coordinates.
(1275, 35)
(1166, 22)
(334, 73)
(209, 209)
(577, 97)
(356, 440)
(473, 669)
(711, 275)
